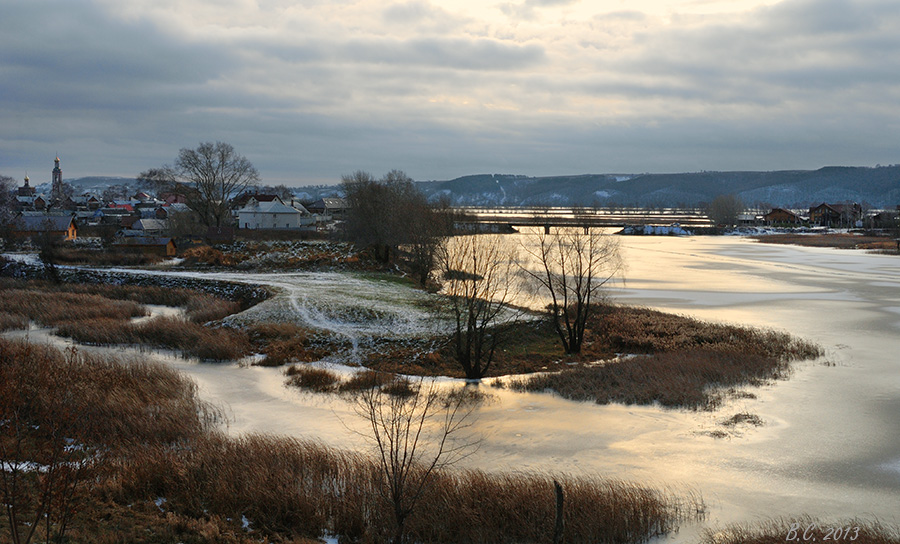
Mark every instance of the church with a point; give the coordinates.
(27, 196)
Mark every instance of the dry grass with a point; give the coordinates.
(216, 344)
(200, 307)
(51, 308)
(10, 321)
(835, 240)
(641, 330)
(162, 447)
(104, 257)
(805, 529)
(286, 342)
(100, 313)
(314, 379)
(295, 488)
(324, 381)
(690, 365)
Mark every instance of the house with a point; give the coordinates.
(780, 216)
(243, 199)
(149, 245)
(889, 219)
(835, 215)
(173, 198)
(29, 226)
(330, 207)
(150, 227)
(274, 214)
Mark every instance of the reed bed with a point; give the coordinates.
(51, 308)
(115, 403)
(641, 330)
(690, 362)
(287, 342)
(805, 529)
(215, 344)
(295, 488)
(199, 307)
(169, 476)
(10, 321)
(315, 379)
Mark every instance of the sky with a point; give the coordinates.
(309, 90)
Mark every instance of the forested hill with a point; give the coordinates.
(879, 187)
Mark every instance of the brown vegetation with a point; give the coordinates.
(690, 362)
(312, 378)
(217, 344)
(166, 476)
(100, 314)
(103, 257)
(835, 240)
(286, 342)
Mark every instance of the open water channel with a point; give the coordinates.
(830, 445)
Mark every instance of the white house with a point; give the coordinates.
(273, 215)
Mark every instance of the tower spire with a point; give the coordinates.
(56, 191)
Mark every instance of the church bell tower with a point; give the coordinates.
(56, 191)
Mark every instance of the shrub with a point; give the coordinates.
(315, 379)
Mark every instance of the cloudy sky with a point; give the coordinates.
(308, 90)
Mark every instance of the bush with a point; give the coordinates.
(315, 379)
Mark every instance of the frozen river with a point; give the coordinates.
(830, 445)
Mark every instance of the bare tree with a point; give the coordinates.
(208, 176)
(46, 461)
(7, 208)
(725, 209)
(479, 273)
(414, 435)
(392, 217)
(572, 267)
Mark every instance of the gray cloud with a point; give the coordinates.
(311, 91)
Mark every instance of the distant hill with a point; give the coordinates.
(878, 187)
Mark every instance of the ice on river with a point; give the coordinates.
(831, 441)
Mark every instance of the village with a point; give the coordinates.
(165, 225)
(161, 224)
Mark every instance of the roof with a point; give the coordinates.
(329, 203)
(275, 206)
(42, 223)
(150, 224)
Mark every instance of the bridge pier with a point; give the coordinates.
(546, 228)
(587, 230)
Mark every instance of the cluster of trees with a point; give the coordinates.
(481, 274)
(392, 218)
(208, 177)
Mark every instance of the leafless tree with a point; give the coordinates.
(7, 208)
(725, 209)
(208, 176)
(479, 273)
(571, 266)
(392, 217)
(46, 462)
(414, 435)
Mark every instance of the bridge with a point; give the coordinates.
(504, 217)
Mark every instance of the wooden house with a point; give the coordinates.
(29, 226)
(835, 215)
(780, 216)
(150, 245)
